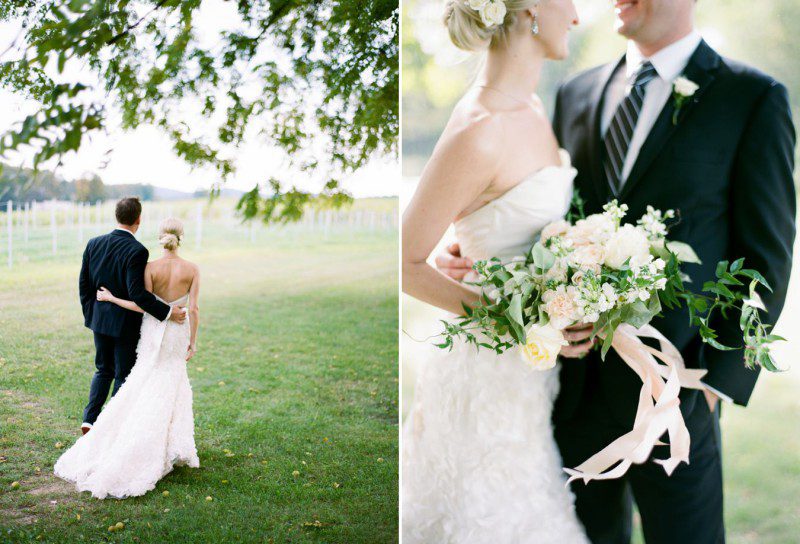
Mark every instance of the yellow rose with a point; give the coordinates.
(542, 345)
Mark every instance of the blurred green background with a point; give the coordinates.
(761, 444)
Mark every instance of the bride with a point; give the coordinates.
(479, 460)
(148, 426)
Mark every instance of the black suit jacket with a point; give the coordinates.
(116, 261)
(726, 168)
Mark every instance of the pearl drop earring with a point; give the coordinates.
(535, 27)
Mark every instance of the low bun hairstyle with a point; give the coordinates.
(467, 30)
(170, 233)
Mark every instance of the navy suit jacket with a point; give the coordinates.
(116, 261)
(726, 168)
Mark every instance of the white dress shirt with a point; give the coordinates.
(669, 62)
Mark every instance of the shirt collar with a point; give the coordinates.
(669, 62)
(125, 230)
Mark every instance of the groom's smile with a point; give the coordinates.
(626, 10)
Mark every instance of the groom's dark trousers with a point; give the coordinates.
(115, 261)
(724, 162)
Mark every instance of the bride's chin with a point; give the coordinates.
(559, 54)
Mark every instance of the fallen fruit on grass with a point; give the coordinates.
(209, 498)
(295, 473)
(14, 485)
(165, 493)
(119, 526)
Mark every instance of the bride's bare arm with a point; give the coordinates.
(194, 313)
(104, 295)
(461, 168)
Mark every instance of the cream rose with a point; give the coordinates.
(588, 257)
(557, 272)
(595, 229)
(542, 345)
(477, 4)
(627, 243)
(560, 306)
(493, 13)
(556, 228)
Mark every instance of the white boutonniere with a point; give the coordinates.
(682, 90)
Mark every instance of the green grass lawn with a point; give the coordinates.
(295, 399)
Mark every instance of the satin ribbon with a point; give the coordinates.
(659, 409)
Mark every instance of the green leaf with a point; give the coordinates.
(722, 267)
(755, 275)
(514, 311)
(714, 344)
(683, 252)
(543, 258)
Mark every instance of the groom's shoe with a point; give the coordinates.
(86, 427)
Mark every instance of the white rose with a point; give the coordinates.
(542, 345)
(477, 4)
(557, 228)
(560, 306)
(628, 242)
(685, 87)
(588, 257)
(493, 13)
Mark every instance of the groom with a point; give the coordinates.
(116, 261)
(723, 158)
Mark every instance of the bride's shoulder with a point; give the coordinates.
(475, 127)
(191, 267)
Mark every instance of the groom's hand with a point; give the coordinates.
(711, 399)
(452, 264)
(579, 342)
(178, 315)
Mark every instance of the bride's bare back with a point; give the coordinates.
(170, 277)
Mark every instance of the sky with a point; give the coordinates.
(144, 155)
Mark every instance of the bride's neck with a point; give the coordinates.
(513, 70)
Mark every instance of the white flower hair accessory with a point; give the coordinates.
(682, 90)
(492, 12)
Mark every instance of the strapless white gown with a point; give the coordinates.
(480, 464)
(147, 427)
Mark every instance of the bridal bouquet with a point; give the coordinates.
(602, 272)
(616, 277)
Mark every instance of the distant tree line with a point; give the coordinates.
(25, 184)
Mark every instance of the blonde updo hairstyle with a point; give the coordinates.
(467, 30)
(170, 233)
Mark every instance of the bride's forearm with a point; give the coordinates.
(194, 320)
(423, 282)
(127, 304)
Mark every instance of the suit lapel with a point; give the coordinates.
(596, 151)
(700, 69)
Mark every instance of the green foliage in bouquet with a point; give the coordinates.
(596, 270)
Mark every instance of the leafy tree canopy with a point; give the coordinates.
(317, 79)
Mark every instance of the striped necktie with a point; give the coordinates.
(620, 131)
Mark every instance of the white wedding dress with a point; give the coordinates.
(480, 464)
(147, 427)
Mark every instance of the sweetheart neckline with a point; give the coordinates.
(526, 179)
